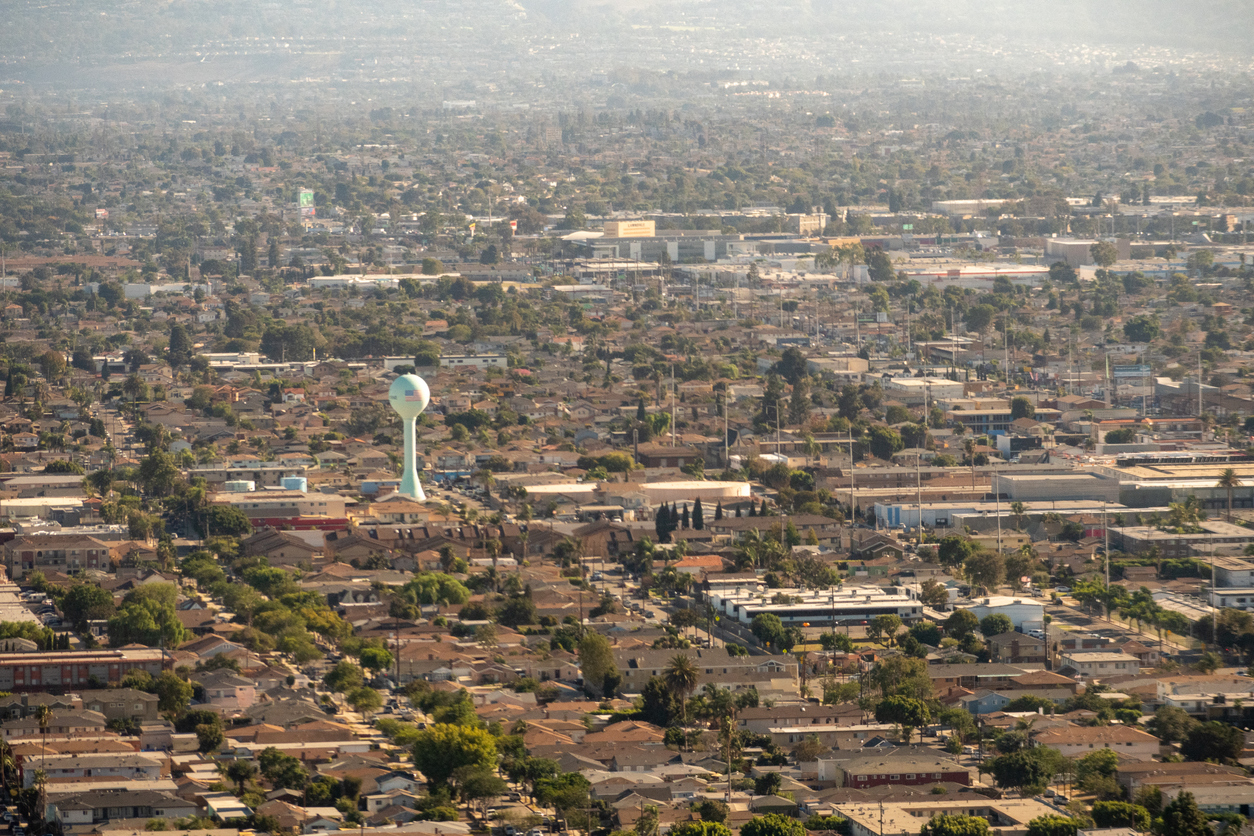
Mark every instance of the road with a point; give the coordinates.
(1075, 615)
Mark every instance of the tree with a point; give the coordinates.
(181, 347)
(1053, 826)
(1183, 818)
(240, 771)
(1229, 481)
(701, 828)
(376, 658)
(1121, 814)
(174, 694)
(365, 700)
(906, 712)
(883, 629)
(933, 594)
(1213, 741)
(985, 569)
(902, 676)
(225, 521)
(1123, 435)
(474, 784)
(657, 703)
(681, 677)
(441, 749)
(768, 784)
(711, 811)
(698, 515)
(953, 551)
(344, 677)
(961, 623)
(566, 793)
(994, 624)
(86, 602)
(947, 825)
(884, 442)
(1142, 329)
(1095, 772)
(148, 616)
(772, 824)
(64, 467)
(596, 663)
(768, 629)
(1104, 253)
(1021, 407)
(282, 771)
(1027, 770)
(792, 365)
(1171, 724)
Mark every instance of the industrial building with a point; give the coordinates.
(906, 512)
(1214, 535)
(1158, 479)
(1075, 485)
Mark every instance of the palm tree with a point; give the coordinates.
(43, 715)
(8, 767)
(1229, 480)
(1018, 509)
(680, 677)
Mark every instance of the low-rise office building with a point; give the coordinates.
(820, 608)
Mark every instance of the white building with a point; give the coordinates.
(475, 361)
(1024, 613)
(915, 391)
(819, 608)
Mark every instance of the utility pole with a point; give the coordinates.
(1106, 535)
(672, 404)
(1200, 411)
(726, 453)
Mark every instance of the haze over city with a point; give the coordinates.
(704, 418)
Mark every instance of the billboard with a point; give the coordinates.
(1127, 372)
(305, 200)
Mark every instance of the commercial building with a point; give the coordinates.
(1079, 253)
(1213, 534)
(910, 767)
(1005, 817)
(76, 669)
(806, 225)
(713, 665)
(278, 508)
(474, 361)
(915, 391)
(820, 608)
(629, 229)
(979, 416)
(1100, 663)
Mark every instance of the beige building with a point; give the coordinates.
(1078, 741)
(629, 229)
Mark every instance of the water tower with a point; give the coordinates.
(409, 396)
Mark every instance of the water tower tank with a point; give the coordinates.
(295, 483)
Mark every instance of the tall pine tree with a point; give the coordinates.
(718, 511)
(684, 518)
(661, 524)
(698, 516)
